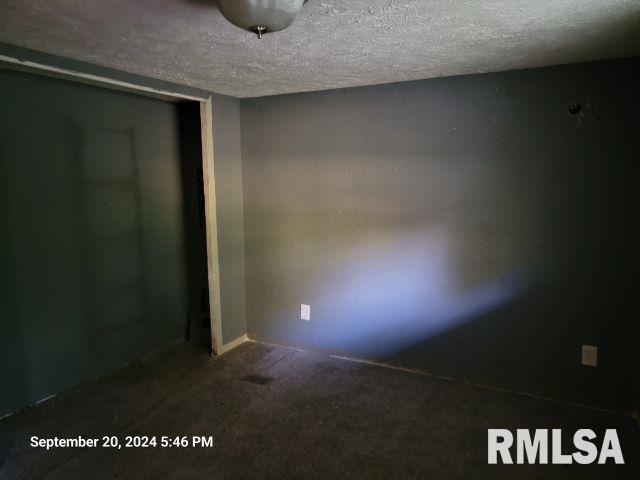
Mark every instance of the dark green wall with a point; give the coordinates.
(229, 206)
(93, 247)
(470, 226)
(228, 174)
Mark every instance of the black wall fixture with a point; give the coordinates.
(575, 108)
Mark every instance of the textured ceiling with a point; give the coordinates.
(333, 43)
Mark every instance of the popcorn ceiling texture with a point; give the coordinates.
(332, 44)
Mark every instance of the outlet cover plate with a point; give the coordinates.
(305, 312)
(589, 355)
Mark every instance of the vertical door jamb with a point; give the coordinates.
(213, 267)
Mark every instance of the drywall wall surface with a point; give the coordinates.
(469, 226)
(93, 241)
(229, 212)
(228, 175)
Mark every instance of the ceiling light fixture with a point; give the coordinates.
(261, 16)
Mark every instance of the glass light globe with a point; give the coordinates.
(261, 16)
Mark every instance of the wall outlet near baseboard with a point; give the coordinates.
(305, 312)
(589, 355)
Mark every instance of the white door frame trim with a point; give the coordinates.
(208, 171)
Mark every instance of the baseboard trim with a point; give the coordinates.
(227, 347)
(422, 372)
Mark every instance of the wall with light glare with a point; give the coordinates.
(469, 226)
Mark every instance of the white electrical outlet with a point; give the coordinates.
(305, 312)
(589, 355)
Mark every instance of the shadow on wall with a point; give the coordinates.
(469, 226)
(197, 327)
(94, 246)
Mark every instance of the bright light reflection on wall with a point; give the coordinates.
(395, 292)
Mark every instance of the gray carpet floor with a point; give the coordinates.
(279, 413)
